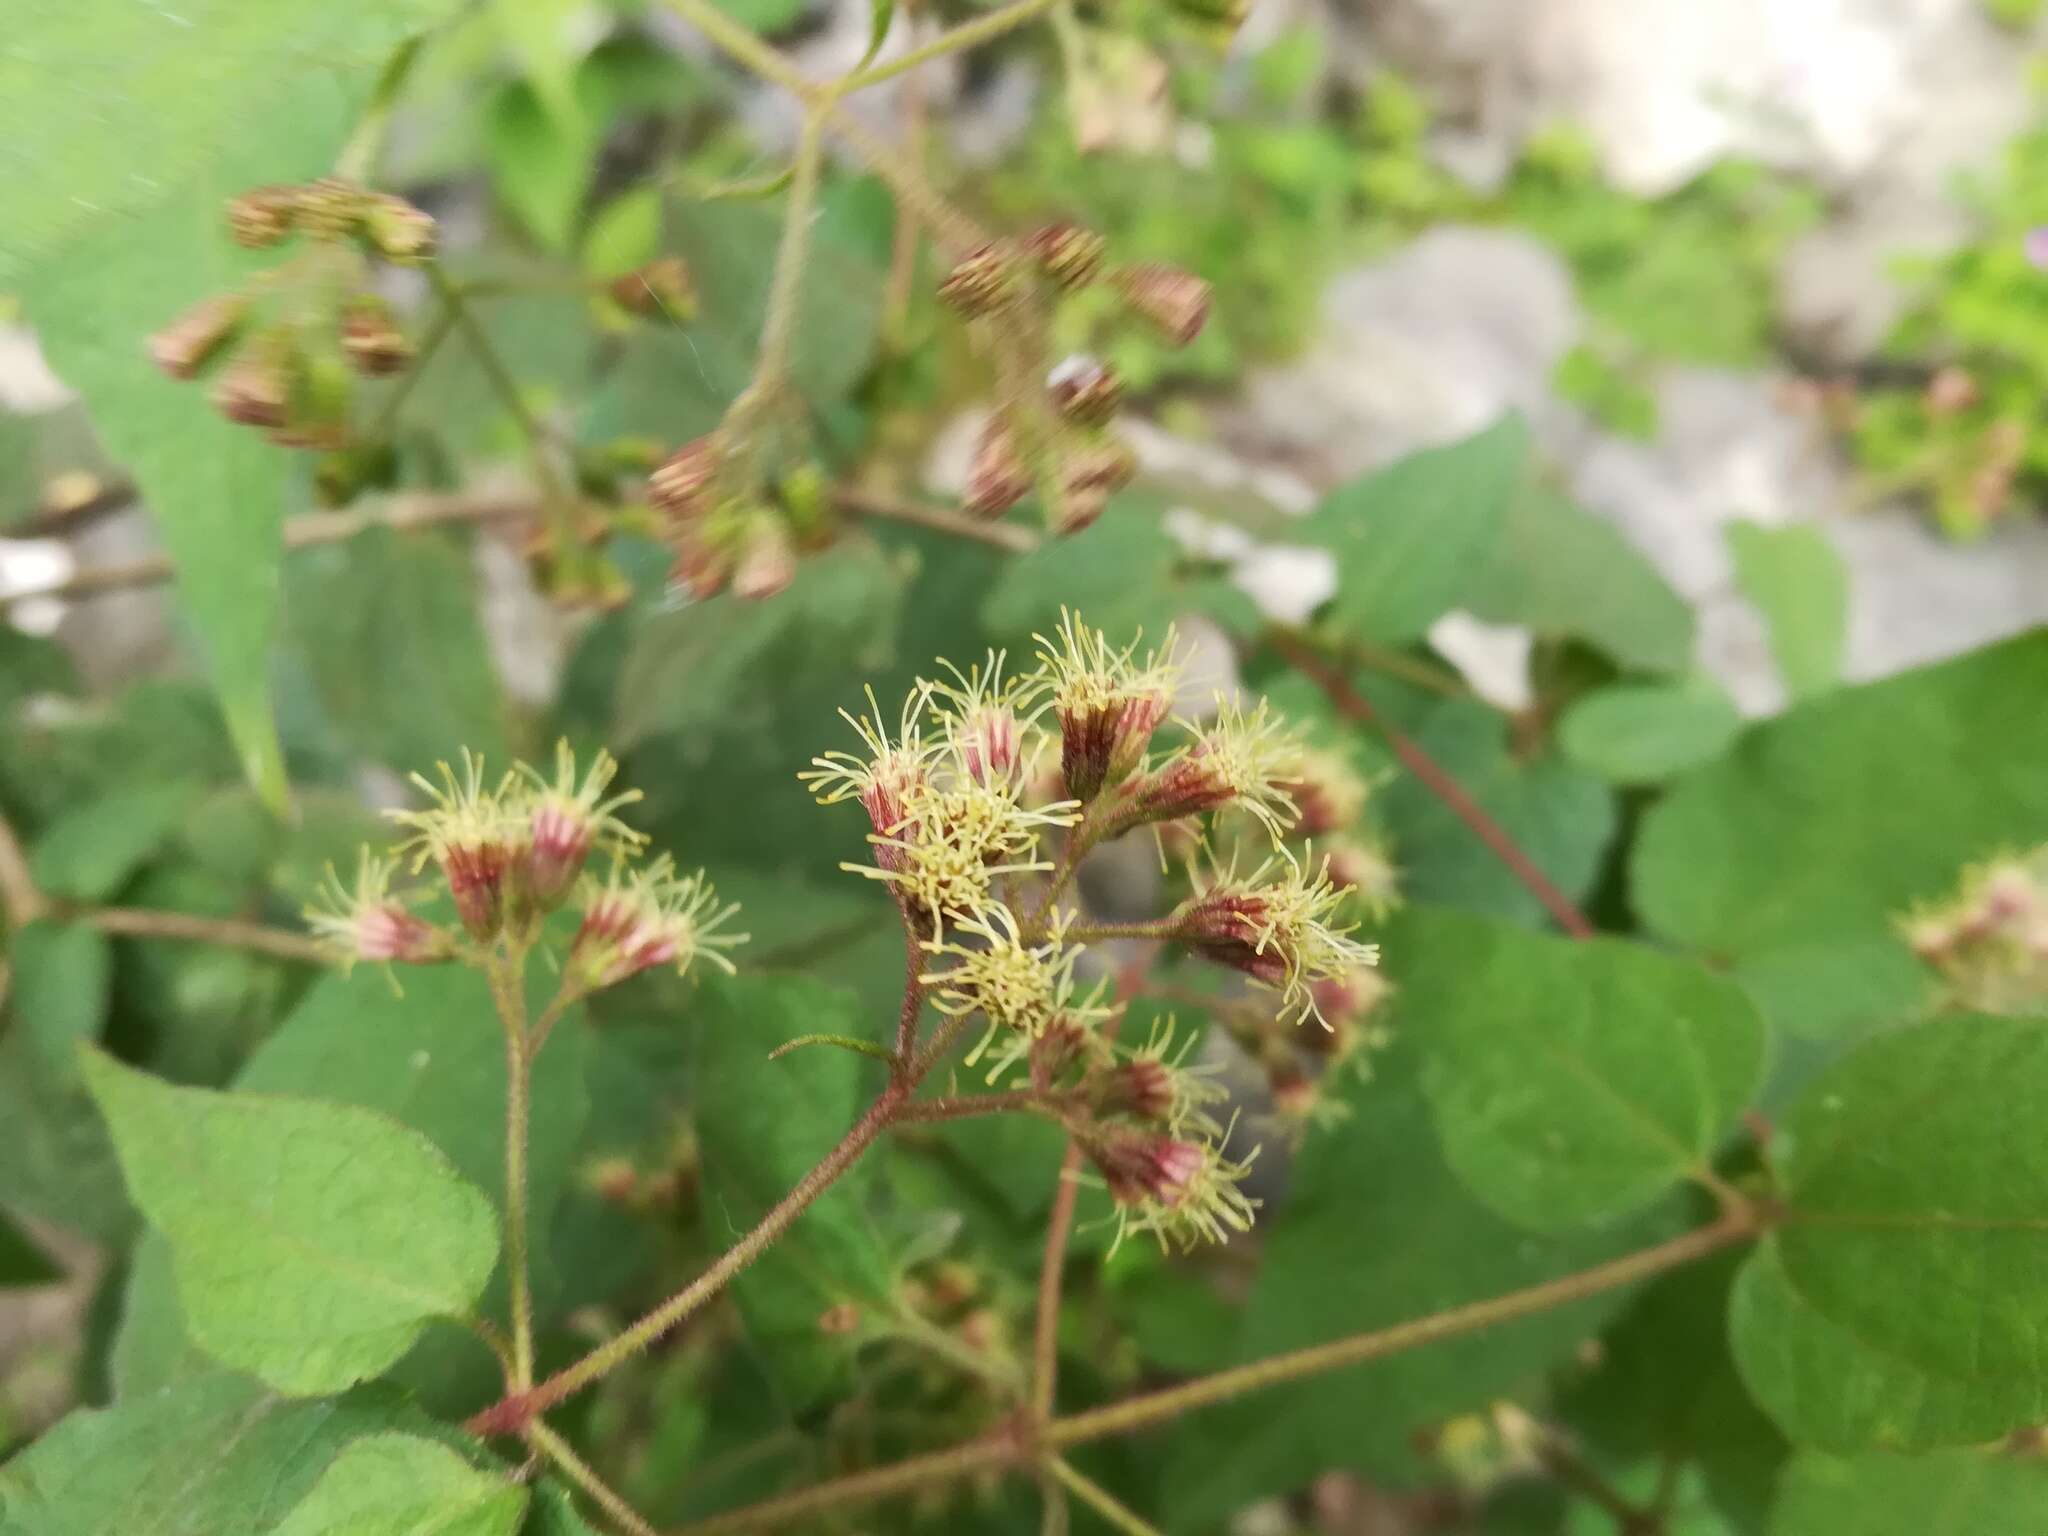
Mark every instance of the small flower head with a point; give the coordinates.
(648, 917)
(1176, 302)
(990, 723)
(994, 973)
(1276, 927)
(1086, 476)
(1153, 1084)
(470, 834)
(983, 282)
(1364, 869)
(367, 922)
(198, 336)
(255, 390)
(262, 216)
(1068, 254)
(1182, 1191)
(1990, 941)
(681, 483)
(400, 232)
(956, 839)
(998, 478)
(566, 819)
(1327, 791)
(766, 563)
(329, 209)
(1107, 701)
(661, 287)
(376, 347)
(1241, 759)
(886, 774)
(1085, 391)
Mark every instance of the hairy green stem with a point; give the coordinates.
(508, 993)
(1099, 1499)
(969, 34)
(792, 255)
(579, 1472)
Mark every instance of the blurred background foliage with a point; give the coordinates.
(563, 143)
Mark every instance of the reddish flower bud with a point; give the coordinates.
(839, 1319)
(662, 287)
(262, 216)
(680, 482)
(1176, 302)
(1087, 477)
(400, 232)
(767, 558)
(1085, 391)
(1068, 254)
(256, 388)
(330, 208)
(369, 923)
(566, 819)
(1140, 1166)
(197, 336)
(982, 282)
(376, 347)
(1108, 704)
(1065, 1044)
(998, 478)
(1142, 1087)
(615, 1181)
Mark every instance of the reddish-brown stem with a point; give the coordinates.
(916, 1472)
(1045, 1332)
(512, 1413)
(1353, 705)
(913, 1005)
(969, 1105)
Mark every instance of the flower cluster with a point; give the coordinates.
(512, 850)
(983, 795)
(729, 532)
(1057, 439)
(1990, 941)
(287, 347)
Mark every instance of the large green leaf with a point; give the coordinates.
(1902, 1300)
(124, 131)
(1809, 839)
(1572, 1081)
(1378, 1229)
(1801, 587)
(400, 1485)
(89, 853)
(1562, 572)
(311, 1241)
(761, 1125)
(388, 627)
(1561, 816)
(214, 1455)
(1827, 1387)
(1640, 733)
(56, 1161)
(1947, 1493)
(1406, 537)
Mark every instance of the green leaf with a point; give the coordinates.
(1915, 1241)
(543, 36)
(90, 853)
(555, 1512)
(399, 1485)
(58, 991)
(1826, 1387)
(213, 1455)
(1378, 1230)
(1967, 1493)
(1573, 1081)
(56, 1161)
(881, 14)
(1801, 587)
(22, 1261)
(1822, 827)
(539, 159)
(1646, 732)
(114, 226)
(311, 1241)
(761, 1125)
(1559, 815)
(172, 93)
(1564, 573)
(389, 629)
(1407, 537)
